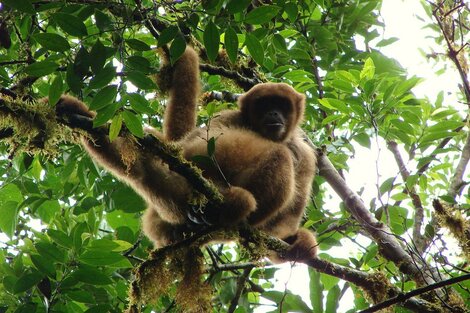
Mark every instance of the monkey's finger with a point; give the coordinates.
(195, 218)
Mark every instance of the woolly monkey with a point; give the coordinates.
(266, 165)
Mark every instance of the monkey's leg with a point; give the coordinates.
(303, 247)
(271, 181)
(160, 232)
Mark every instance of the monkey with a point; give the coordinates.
(265, 168)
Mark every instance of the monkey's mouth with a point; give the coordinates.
(274, 124)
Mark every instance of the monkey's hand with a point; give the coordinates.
(74, 112)
(303, 247)
(238, 204)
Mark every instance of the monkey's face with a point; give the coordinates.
(270, 117)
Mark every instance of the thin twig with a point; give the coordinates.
(240, 287)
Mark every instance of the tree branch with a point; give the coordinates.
(419, 291)
(244, 82)
(452, 52)
(389, 247)
(418, 238)
(240, 287)
(456, 183)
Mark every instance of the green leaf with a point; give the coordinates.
(332, 300)
(43, 264)
(110, 245)
(97, 56)
(103, 21)
(406, 85)
(177, 48)
(386, 42)
(363, 139)
(328, 281)
(211, 146)
(81, 296)
(292, 11)
(261, 15)
(291, 303)
(103, 77)
(211, 41)
(140, 80)
(237, 6)
(101, 258)
(105, 114)
(47, 210)
(127, 200)
(81, 64)
(398, 219)
(210, 5)
(50, 251)
(368, 70)
(39, 69)
(139, 103)
(231, 44)
(20, 5)
(298, 76)
(139, 63)
(255, 48)
(167, 35)
(431, 137)
(52, 42)
(444, 126)
(279, 43)
(138, 45)
(316, 290)
(104, 97)
(203, 160)
(334, 104)
(91, 275)
(56, 89)
(387, 185)
(429, 231)
(133, 123)
(73, 80)
(9, 213)
(27, 281)
(210, 109)
(70, 24)
(115, 127)
(118, 218)
(10, 196)
(60, 238)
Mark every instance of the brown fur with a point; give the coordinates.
(270, 178)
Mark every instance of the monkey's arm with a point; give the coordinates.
(180, 113)
(147, 174)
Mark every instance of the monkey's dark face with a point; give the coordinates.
(270, 117)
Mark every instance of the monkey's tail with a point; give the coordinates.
(180, 114)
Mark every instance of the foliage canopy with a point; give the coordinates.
(70, 233)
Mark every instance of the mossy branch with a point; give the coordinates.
(149, 273)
